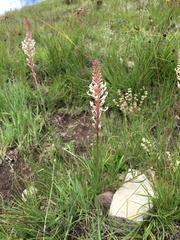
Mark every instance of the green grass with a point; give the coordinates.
(66, 206)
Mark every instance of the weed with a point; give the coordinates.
(129, 103)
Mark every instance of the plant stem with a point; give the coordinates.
(49, 201)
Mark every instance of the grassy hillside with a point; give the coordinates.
(48, 143)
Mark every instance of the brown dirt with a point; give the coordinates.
(14, 171)
(73, 128)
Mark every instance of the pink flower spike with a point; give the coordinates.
(28, 46)
(178, 70)
(98, 90)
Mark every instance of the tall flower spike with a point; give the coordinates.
(98, 90)
(178, 85)
(28, 46)
(178, 70)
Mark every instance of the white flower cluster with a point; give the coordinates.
(28, 46)
(176, 166)
(178, 76)
(129, 103)
(178, 70)
(97, 105)
(173, 166)
(147, 145)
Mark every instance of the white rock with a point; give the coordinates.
(31, 191)
(132, 201)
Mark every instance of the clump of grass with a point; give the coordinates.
(21, 122)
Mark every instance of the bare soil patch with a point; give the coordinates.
(73, 128)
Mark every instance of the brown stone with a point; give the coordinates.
(105, 199)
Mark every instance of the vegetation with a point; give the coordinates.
(48, 143)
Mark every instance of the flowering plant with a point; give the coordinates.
(178, 70)
(178, 85)
(130, 103)
(28, 46)
(98, 90)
